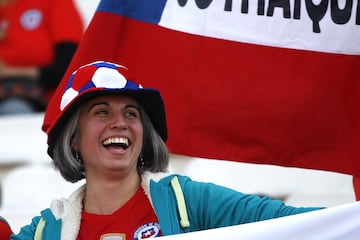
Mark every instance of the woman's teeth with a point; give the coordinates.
(116, 141)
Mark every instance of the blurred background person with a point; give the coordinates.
(37, 41)
(5, 230)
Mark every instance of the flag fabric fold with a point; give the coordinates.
(262, 82)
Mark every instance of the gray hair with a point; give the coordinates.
(154, 156)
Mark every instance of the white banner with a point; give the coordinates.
(325, 26)
(335, 223)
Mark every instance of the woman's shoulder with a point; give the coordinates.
(167, 179)
(161, 177)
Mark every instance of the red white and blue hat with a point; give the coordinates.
(94, 80)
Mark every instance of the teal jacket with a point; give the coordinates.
(181, 205)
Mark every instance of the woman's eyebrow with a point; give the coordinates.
(132, 106)
(96, 104)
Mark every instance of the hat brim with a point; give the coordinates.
(150, 100)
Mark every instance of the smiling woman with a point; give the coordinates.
(110, 135)
(110, 131)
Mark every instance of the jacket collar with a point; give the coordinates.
(69, 211)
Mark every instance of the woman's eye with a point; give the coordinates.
(101, 112)
(132, 113)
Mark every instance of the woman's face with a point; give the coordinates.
(110, 135)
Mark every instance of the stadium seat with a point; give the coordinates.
(28, 189)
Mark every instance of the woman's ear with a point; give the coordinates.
(75, 142)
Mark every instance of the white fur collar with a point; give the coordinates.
(69, 210)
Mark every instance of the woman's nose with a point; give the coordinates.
(118, 121)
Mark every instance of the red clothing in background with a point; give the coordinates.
(5, 230)
(30, 28)
(39, 34)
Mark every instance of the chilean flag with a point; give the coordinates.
(268, 82)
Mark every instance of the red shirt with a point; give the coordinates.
(135, 220)
(29, 29)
